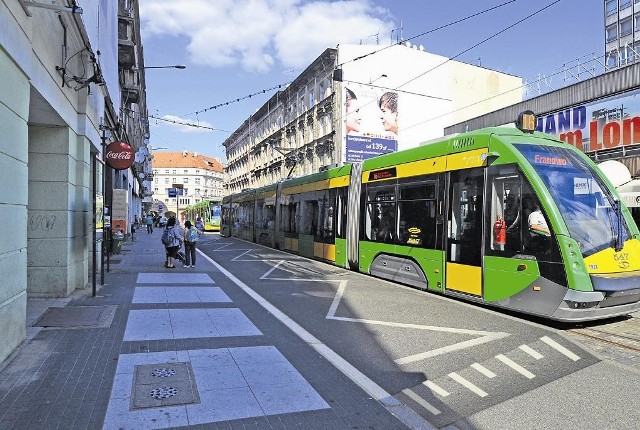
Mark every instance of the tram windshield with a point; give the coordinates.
(589, 209)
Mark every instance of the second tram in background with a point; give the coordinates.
(501, 216)
(208, 211)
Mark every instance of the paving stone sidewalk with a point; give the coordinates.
(86, 361)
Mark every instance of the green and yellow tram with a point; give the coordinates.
(501, 216)
(208, 211)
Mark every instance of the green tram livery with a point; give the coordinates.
(500, 216)
(208, 211)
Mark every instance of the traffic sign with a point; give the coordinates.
(173, 192)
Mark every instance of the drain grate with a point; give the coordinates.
(163, 384)
(163, 372)
(163, 393)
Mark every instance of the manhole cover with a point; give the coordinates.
(163, 393)
(163, 384)
(163, 372)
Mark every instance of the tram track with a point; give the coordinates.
(613, 340)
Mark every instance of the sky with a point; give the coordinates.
(236, 48)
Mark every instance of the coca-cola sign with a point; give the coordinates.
(119, 155)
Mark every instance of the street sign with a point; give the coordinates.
(173, 192)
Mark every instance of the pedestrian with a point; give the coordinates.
(199, 224)
(149, 221)
(172, 238)
(191, 237)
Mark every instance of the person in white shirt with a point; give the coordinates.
(537, 223)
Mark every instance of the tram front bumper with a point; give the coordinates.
(592, 305)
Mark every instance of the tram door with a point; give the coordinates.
(463, 269)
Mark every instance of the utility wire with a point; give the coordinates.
(429, 31)
(264, 91)
(188, 124)
(469, 49)
(239, 99)
(483, 41)
(483, 100)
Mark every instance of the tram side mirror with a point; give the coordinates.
(490, 157)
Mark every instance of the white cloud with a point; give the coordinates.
(258, 34)
(184, 125)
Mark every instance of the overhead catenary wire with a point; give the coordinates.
(284, 85)
(427, 32)
(520, 21)
(483, 100)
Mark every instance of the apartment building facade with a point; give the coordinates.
(199, 176)
(622, 32)
(306, 126)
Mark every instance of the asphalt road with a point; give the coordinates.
(450, 362)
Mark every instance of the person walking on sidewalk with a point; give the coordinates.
(172, 239)
(149, 221)
(191, 236)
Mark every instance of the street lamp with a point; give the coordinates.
(177, 66)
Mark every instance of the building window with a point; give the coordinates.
(155, 180)
(174, 171)
(312, 101)
(185, 180)
(626, 27)
(636, 18)
(166, 180)
(611, 7)
(625, 4)
(166, 171)
(612, 32)
(612, 59)
(197, 180)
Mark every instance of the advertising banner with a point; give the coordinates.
(371, 121)
(119, 210)
(609, 123)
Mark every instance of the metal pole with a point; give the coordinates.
(104, 200)
(95, 220)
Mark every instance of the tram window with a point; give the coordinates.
(289, 214)
(259, 213)
(503, 235)
(380, 216)
(511, 203)
(326, 222)
(341, 218)
(308, 217)
(417, 214)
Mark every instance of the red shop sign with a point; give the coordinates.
(119, 155)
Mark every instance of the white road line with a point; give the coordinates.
(515, 366)
(435, 388)
(561, 349)
(374, 390)
(272, 269)
(422, 402)
(486, 372)
(336, 300)
(532, 352)
(470, 386)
